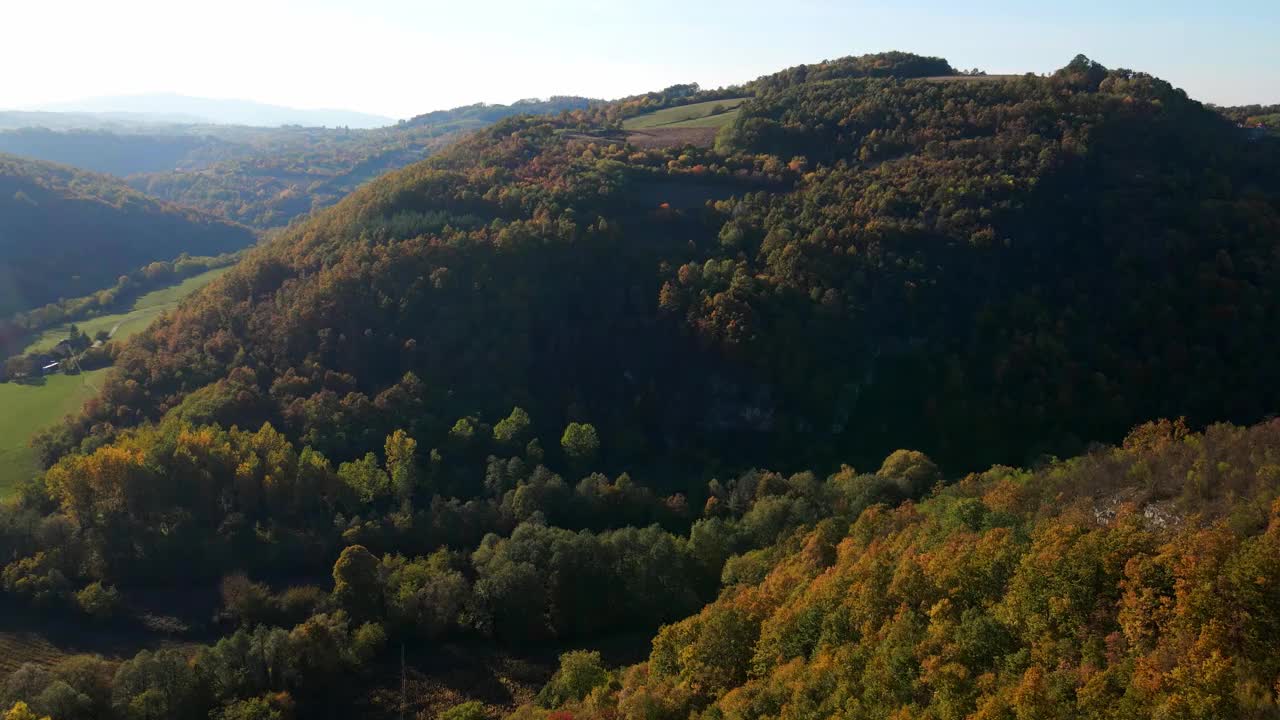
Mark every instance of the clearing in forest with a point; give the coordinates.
(713, 113)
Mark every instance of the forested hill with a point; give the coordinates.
(986, 268)
(66, 232)
(1075, 591)
(526, 392)
(308, 169)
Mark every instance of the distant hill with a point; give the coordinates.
(170, 107)
(66, 232)
(263, 177)
(295, 170)
(120, 153)
(481, 114)
(122, 122)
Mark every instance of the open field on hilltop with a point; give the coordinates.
(145, 309)
(684, 114)
(28, 407)
(972, 78)
(707, 121)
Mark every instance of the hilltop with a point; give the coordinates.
(928, 269)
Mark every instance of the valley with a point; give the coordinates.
(36, 404)
(122, 325)
(867, 388)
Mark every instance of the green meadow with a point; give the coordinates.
(695, 115)
(26, 408)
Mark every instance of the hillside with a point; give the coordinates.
(908, 274)
(114, 152)
(66, 232)
(550, 387)
(1068, 592)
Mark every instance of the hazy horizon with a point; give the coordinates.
(397, 58)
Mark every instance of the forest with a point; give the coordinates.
(853, 411)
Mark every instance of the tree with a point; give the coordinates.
(255, 708)
(19, 366)
(248, 602)
(157, 685)
(401, 451)
(98, 601)
(471, 710)
(356, 586)
(912, 470)
(512, 430)
(64, 702)
(365, 477)
(366, 642)
(20, 711)
(580, 443)
(580, 672)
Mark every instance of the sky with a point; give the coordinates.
(400, 58)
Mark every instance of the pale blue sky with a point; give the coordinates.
(404, 57)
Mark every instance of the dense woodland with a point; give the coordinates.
(546, 387)
(859, 264)
(65, 233)
(1267, 116)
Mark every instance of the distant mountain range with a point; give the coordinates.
(174, 108)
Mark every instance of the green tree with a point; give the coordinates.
(64, 702)
(912, 470)
(364, 476)
(512, 430)
(255, 708)
(366, 642)
(356, 586)
(580, 443)
(471, 710)
(401, 451)
(98, 601)
(580, 672)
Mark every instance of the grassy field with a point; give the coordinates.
(30, 407)
(972, 78)
(145, 309)
(696, 115)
